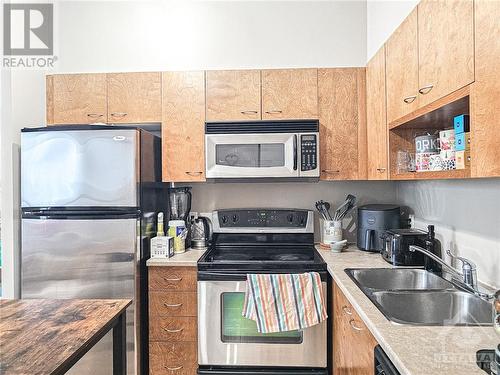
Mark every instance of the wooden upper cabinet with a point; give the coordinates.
(402, 69)
(183, 126)
(376, 121)
(485, 92)
(134, 97)
(342, 108)
(445, 47)
(76, 99)
(290, 94)
(233, 95)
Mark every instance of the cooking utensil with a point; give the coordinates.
(345, 208)
(323, 208)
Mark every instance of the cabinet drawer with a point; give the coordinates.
(172, 304)
(172, 278)
(173, 329)
(173, 358)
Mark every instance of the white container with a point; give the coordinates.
(162, 247)
(331, 231)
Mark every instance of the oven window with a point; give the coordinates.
(251, 155)
(237, 329)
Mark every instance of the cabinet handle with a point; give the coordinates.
(194, 173)
(173, 330)
(274, 111)
(94, 115)
(332, 171)
(172, 279)
(119, 114)
(354, 326)
(172, 305)
(381, 170)
(410, 99)
(426, 89)
(249, 112)
(173, 368)
(346, 310)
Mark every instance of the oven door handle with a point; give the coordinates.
(295, 141)
(239, 276)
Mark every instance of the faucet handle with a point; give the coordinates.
(465, 262)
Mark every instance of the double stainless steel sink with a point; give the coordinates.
(419, 297)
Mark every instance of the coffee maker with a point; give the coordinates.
(373, 221)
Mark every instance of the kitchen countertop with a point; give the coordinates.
(414, 350)
(187, 259)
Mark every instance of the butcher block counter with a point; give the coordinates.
(47, 336)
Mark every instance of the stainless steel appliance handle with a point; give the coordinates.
(368, 239)
(295, 140)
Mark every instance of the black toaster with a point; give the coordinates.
(396, 243)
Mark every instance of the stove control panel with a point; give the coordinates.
(263, 218)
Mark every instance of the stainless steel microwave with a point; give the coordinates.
(262, 149)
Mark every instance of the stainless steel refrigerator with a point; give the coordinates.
(89, 196)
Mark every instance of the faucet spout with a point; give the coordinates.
(434, 257)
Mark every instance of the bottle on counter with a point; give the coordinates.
(161, 245)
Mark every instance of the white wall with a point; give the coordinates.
(104, 36)
(383, 17)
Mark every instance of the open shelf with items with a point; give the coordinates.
(429, 121)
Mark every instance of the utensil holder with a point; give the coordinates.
(331, 231)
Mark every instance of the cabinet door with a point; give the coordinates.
(402, 69)
(134, 97)
(445, 47)
(290, 94)
(485, 93)
(183, 130)
(76, 99)
(353, 343)
(341, 94)
(376, 117)
(233, 95)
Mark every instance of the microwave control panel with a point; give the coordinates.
(308, 152)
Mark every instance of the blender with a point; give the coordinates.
(180, 206)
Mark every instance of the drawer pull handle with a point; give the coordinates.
(354, 326)
(410, 99)
(172, 305)
(426, 89)
(346, 310)
(173, 368)
(332, 171)
(249, 112)
(119, 114)
(173, 280)
(173, 330)
(274, 112)
(381, 170)
(94, 115)
(194, 173)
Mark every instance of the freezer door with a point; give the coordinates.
(85, 259)
(91, 168)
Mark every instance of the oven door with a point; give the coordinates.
(251, 155)
(225, 338)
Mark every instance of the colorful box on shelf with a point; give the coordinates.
(448, 158)
(461, 124)
(462, 159)
(423, 161)
(462, 141)
(436, 163)
(447, 140)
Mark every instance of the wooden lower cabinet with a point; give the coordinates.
(353, 343)
(173, 327)
(167, 358)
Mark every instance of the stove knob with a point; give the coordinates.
(235, 218)
(289, 217)
(224, 219)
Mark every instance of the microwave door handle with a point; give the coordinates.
(295, 137)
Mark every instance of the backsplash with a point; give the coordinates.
(210, 196)
(466, 214)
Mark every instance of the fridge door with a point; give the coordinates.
(63, 258)
(86, 168)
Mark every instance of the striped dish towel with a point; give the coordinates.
(284, 302)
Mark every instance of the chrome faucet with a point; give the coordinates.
(466, 279)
